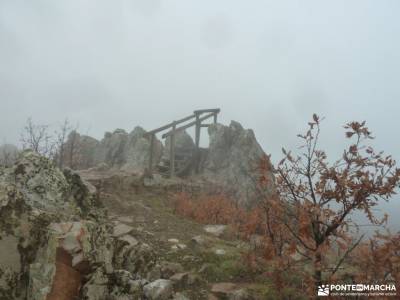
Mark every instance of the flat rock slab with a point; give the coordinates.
(220, 252)
(223, 289)
(160, 289)
(129, 239)
(121, 229)
(216, 230)
(173, 241)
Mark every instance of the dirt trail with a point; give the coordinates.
(149, 213)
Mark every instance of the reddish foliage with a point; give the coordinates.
(378, 259)
(207, 209)
(308, 215)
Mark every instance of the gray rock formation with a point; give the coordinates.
(54, 233)
(78, 151)
(117, 150)
(160, 289)
(232, 160)
(137, 154)
(112, 147)
(184, 145)
(48, 228)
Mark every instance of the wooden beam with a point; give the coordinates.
(151, 154)
(197, 132)
(197, 142)
(201, 111)
(187, 125)
(172, 152)
(171, 124)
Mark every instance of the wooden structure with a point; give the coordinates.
(196, 119)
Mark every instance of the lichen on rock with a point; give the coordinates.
(53, 231)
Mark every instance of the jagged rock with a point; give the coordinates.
(8, 155)
(184, 145)
(232, 160)
(128, 152)
(52, 233)
(160, 289)
(117, 150)
(77, 152)
(111, 149)
(121, 229)
(137, 151)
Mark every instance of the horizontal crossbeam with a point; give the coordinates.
(188, 125)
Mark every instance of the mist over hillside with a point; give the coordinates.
(104, 149)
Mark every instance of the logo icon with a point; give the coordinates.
(323, 290)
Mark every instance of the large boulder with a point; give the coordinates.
(184, 145)
(117, 150)
(160, 289)
(137, 151)
(78, 151)
(53, 233)
(233, 159)
(112, 147)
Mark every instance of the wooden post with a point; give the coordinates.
(152, 137)
(197, 141)
(172, 151)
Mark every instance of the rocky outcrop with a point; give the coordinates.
(137, 151)
(160, 289)
(184, 145)
(48, 228)
(117, 150)
(112, 147)
(56, 242)
(232, 161)
(78, 151)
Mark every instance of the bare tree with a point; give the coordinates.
(73, 149)
(37, 138)
(62, 137)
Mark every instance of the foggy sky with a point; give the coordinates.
(267, 64)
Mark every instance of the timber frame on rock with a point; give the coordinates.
(199, 116)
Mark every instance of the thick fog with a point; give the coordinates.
(267, 64)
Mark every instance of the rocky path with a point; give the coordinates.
(197, 261)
